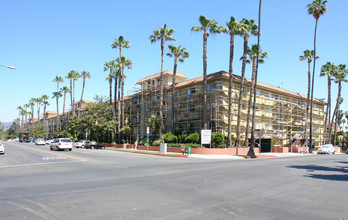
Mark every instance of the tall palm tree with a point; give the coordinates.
(85, 75)
(72, 77)
(32, 103)
(112, 67)
(246, 26)
(340, 77)
(163, 34)
(233, 28)
(20, 110)
(328, 70)
(253, 52)
(120, 43)
(57, 95)
(252, 144)
(58, 79)
(316, 8)
(38, 105)
(211, 26)
(109, 78)
(179, 53)
(26, 106)
(307, 55)
(64, 90)
(45, 103)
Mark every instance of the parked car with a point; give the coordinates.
(48, 141)
(61, 144)
(40, 142)
(326, 149)
(91, 145)
(80, 144)
(2, 148)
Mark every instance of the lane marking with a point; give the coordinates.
(34, 164)
(75, 158)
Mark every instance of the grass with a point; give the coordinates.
(138, 151)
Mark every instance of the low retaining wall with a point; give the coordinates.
(210, 151)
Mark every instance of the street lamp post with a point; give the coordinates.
(10, 67)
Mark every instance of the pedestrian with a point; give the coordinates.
(136, 144)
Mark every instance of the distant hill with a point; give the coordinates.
(6, 124)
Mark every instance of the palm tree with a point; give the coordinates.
(340, 77)
(329, 70)
(316, 8)
(84, 74)
(58, 79)
(72, 77)
(112, 67)
(120, 43)
(26, 106)
(38, 105)
(246, 26)
(45, 103)
(57, 95)
(122, 63)
(307, 55)
(252, 145)
(253, 52)
(233, 28)
(32, 103)
(163, 34)
(64, 90)
(20, 110)
(211, 26)
(109, 78)
(179, 54)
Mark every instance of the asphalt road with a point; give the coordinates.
(36, 183)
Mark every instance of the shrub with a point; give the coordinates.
(192, 138)
(156, 142)
(169, 138)
(217, 139)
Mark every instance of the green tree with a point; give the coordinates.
(233, 28)
(211, 26)
(64, 90)
(112, 67)
(57, 95)
(307, 55)
(246, 27)
(85, 75)
(72, 77)
(179, 54)
(329, 70)
(316, 8)
(40, 131)
(163, 34)
(154, 123)
(252, 53)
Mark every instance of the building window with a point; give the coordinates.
(208, 88)
(267, 95)
(276, 97)
(190, 91)
(217, 85)
(258, 92)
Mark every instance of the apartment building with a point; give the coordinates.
(280, 113)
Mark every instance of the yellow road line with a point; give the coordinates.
(75, 158)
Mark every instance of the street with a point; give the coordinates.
(36, 183)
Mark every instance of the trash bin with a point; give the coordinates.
(188, 150)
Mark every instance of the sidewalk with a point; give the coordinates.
(242, 157)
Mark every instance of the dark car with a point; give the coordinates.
(94, 145)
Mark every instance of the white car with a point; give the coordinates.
(326, 149)
(2, 148)
(40, 142)
(61, 144)
(48, 141)
(80, 144)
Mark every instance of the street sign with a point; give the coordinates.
(205, 136)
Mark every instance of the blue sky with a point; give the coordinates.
(43, 39)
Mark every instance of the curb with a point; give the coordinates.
(252, 157)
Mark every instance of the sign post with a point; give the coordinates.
(206, 137)
(147, 132)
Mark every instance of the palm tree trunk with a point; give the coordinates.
(335, 114)
(252, 145)
(71, 96)
(307, 106)
(311, 112)
(83, 87)
(329, 107)
(173, 92)
(230, 76)
(161, 93)
(240, 98)
(204, 85)
(74, 98)
(119, 108)
(122, 98)
(251, 92)
(64, 104)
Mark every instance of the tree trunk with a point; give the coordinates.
(204, 85)
(251, 92)
(240, 98)
(252, 145)
(122, 98)
(83, 87)
(230, 84)
(161, 93)
(119, 108)
(311, 112)
(307, 106)
(173, 93)
(329, 107)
